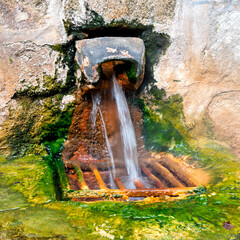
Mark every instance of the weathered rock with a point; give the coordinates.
(203, 61)
(26, 27)
(158, 13)
(223, 111)
(32, 121)
(29, 69)
(37, 21)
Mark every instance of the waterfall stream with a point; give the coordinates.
(96, 108)
(127, 133)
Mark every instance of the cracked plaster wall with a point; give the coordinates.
(202, 62)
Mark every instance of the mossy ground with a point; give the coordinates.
(29, 209)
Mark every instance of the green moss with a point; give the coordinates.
(36, 223)
(34, 121)
(184, 219)
(159, 134)
(163, 125)
(95, 20)
(59, 124)
(67, 58)
(49, 83)
(200, 216)
(10, 199)
(155, 45)
(131, 74)
(30, 176)
(63, 180)
(55, 162)
(47, 86)
(79, 174)
(67, 25)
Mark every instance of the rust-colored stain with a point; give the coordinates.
(87, 160)
(184, 182)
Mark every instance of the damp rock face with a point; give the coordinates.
(201, 62)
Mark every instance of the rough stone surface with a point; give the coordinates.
(26, 67)
(37, 21)
(158, 13)
(224, 110)
(26, 30)
(202, 63)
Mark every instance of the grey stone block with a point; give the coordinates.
(91, 53)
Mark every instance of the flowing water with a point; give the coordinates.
(127, 131)
(128, 145)
(96, 108)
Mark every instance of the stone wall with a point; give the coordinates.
(202, 63)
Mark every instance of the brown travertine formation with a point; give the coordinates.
(86, 141)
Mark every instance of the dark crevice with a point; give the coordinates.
(119, 31)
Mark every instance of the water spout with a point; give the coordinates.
(96, 108)
(102, 133)
(128, 143)
(127, 131)
(105, 146)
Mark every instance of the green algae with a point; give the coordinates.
(131, 73)
(34, 121)
(56, 164)
(163, 125)
(67, 58)
(10, 199)
(30, 176)
(183, 219)
(199, 216)
(36, 223)
(46, 87)
(79, 174)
